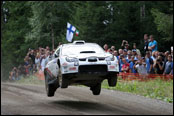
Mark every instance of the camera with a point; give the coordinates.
(158, 60)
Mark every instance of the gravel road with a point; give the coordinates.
(20, 99)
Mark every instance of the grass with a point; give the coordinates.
(30, 80)
(157, 88)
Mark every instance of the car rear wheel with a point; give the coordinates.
(96, 89)
(112, 80)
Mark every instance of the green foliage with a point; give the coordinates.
(157, 88)
(164, 24)
(14, 30)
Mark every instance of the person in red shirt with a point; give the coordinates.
(125, 68)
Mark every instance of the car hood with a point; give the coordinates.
(87, 55)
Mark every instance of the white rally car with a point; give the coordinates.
(80, 63)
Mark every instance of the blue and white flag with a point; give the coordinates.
(70, 32)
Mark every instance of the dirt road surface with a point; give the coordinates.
(20, 99)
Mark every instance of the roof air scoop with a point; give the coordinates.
(79, 42)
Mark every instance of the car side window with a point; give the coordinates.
(58, 52)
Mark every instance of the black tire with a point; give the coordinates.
(63, 81)
(112, 80)
(96, 89)
(50, 89)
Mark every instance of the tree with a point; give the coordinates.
(89, 19)
(164, 24)
(15, 26)
(48, 21)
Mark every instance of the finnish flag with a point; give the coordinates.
(70, 32)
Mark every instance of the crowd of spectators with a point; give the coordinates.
(150, 61)
(34, 61)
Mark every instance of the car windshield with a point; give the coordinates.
(81, 49)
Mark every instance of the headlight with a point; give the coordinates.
(69, 59)
(110, 58)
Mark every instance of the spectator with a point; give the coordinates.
(120, 62)
(105, 47)
(159, 65)
(129, 52)
(166, 54)
(169, 66)
(132, 63)
(47, 48)
(172, 52)
(26, 65)
(125, 45)
(37, 62)
(32, 56)
(140, 66)
(146, 42)
(137, 50)
(149, 63)
(152, 46)
(109, 51)
(13, 74)
(125, 53)
(128, 58)
(125, 67)
(134, 53)
(153, 56)
(115, 53)
(120, 51)
(43, 62)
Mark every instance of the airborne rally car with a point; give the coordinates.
(80, 63)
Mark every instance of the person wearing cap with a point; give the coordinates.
(152, 46)
(149, 63)
(125, 53)
(128, 58)
(134, 53)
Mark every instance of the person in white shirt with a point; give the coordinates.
(37, 61)
(140, 66)
(43, 62)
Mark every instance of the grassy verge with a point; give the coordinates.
(157, 88)
(30, 80)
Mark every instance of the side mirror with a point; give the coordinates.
(55, 55)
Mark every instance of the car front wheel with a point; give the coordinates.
(96, 89)
(112, 80)
(49, 88)
(63, 81)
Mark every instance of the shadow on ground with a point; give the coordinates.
(90, 107)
